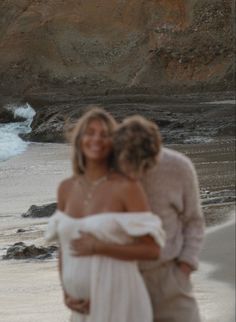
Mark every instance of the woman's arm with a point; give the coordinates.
(144, 248)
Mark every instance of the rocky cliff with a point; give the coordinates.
(96, 45)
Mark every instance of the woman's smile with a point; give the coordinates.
(96, 143)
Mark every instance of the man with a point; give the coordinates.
(173, 193)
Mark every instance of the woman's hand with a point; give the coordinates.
(80, 306)
(86, 245)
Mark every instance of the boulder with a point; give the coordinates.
(20, 230)
(22, 251)
(7, 116)
(40, 211)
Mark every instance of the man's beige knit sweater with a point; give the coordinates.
(173, 192)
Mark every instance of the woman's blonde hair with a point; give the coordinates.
(92, 113)
(137, 141)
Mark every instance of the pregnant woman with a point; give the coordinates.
(98, 201)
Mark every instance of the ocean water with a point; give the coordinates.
(10, 142)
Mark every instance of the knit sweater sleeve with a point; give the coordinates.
(192, 217)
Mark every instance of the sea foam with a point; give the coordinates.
(10, 142)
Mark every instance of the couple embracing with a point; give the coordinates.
(129, 225)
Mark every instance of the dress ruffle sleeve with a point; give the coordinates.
(121, 228)
(141, 224)
(51, 233)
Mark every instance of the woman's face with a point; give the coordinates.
(96, 142)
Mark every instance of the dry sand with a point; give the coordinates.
(30, 290)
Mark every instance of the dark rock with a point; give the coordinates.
(189, 115)
(21, 251)
(218, 200)
(162, 122)
(18, 119)
(7, 116)
(40, 211)
(20, 230)
(178, 125)
(227, 129)
(217, 197)
(45, 256)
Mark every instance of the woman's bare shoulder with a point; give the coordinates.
(66, 184)
(126, 185)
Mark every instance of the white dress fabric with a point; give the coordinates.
(115, 288)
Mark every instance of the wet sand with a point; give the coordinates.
(30, 290)
(215, 281)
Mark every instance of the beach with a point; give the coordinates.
(30, 289)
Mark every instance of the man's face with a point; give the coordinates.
(128, 170)
(136, 173)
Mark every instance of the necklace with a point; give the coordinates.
(89, 188)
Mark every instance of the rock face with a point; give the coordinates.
(40, 211)
(22, 251)
(6, 116)
(181, 118)
(96, 45)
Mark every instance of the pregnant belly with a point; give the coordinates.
(76, 277)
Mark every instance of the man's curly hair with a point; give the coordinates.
(137, 141)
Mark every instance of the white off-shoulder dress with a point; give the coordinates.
(115, 288)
